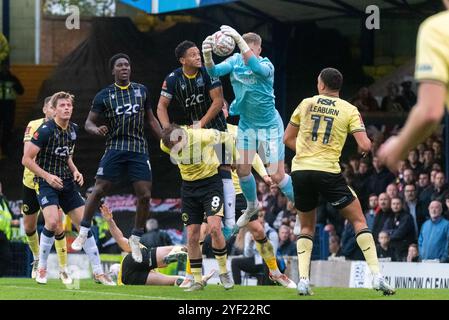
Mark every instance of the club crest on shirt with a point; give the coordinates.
(73, 135)
(137, 93)
(183, 86)
(112, 96)
(200, 81)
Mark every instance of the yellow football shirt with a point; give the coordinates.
(324, 123)
(432, 50)
(197, 159)
(28, 176)
(257, 163)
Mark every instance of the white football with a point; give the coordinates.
(223, 45)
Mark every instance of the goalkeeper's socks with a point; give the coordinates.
(197, 268)
(366, 243)
(265, 249)
(61, 249)
(304, 245)
(91, 249)
(286, 187)
(248, 185)
(47, 240)
(33, 243)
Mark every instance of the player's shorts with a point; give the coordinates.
(68, 198)
(240, 206)
(136, 273)
(30, 203)
(267, 141)
(201, 197)
(309, 184)
(116, 163)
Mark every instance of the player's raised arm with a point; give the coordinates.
(114, 229)
(214, 70)
(91, 125)
(250, 49)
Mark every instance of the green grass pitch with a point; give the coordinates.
(27, 289)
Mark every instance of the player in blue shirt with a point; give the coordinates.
(260, 127)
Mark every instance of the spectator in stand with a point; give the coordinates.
(446, 202)
(423, 182)
(154, 237)
(286, 215)
(408, 95)
(400, 228)
(286, 246)
(364, 101)
(279, 206)
(263, 191)
(413, 161)
(384, 249)
(370, 214)
(421, 148)
(6, 222)
(414, 207)
(434, 236)
(354, 163)
(438, 151)
(392, 191)
(429, 160)
(349, 247)
(436, 191)
(413, 253)
(360, 183)
(380, 178)
(407, 178)
(334, 247)
(393, 102)
(382, 214)
(271, 199)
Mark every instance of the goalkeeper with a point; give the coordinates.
(260, 129)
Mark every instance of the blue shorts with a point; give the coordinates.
(68, 198)
(116, 163)
(267, 141)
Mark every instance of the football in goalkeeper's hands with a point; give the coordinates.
(223, 45)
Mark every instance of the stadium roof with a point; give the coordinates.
(289, 10)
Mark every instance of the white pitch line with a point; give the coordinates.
(95, 292)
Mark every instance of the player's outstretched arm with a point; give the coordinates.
(91, 125)
(28, 161)
(290, 135)
(114, 229)
(363, 141)
(422, 121)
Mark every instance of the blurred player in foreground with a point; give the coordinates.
(432, 71)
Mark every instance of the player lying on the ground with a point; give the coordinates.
(130, 272)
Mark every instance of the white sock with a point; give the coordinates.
(91, 249)
(84, 230)
(45, 245)
(229, 202)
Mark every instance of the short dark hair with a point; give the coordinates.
(183, 47)
(117, 56)
(166, 135)
(332, 78)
